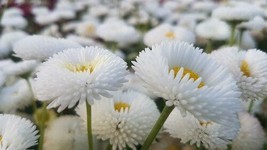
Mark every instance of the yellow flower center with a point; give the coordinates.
(205, 124)
(90, 29)
(121, 105)
(191, 73)
(170, 35)
(245, 68)
(80, 68)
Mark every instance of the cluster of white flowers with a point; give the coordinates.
(133, 74)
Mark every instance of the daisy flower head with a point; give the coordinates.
(251, 135)
(39, 47)
(248, 69)
(65, 133)
(213, 29)
(167, 32)
(77, 75)
(124, 120)
(186, 78)
(209, 134)
(16, 133)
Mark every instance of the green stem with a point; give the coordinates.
(89, 126)
(209, 46)
(240, 38)
(42, 127)
(155, 130)
(232, 37)
(250, 106)
(109, 147)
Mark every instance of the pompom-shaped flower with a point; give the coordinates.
(187, 78)
(77, 75)
(125, 119)
(16, 133)
(210, 134)
(65, 133)
(248, 68)
(41, 47)
(166, 32)
(213, 29)
(251, 135)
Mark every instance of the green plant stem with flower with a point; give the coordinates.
(42, 126)
(155, 130)
(89, 126)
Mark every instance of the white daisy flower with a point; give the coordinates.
(16, 133)
(20, 68)
(77, 75)
(124, 120)
(213, 29)
(186, 78)
(87, 28)
(251, 135)
(237, 13)
(39, 47)
(208, 134)
(257, 23)
(47, 18)
(248, 68)
(15, 96)
(166, 32)
(65, 133)
(118, 31)
(18, 22)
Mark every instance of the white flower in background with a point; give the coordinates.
(47, 19)
(248, 68)
(186, 78)
(211, 135)
(237, 12)
(39, 47)
(51, 31)
(15, 96)
(64, 14)
(65, 133)
(2, 78)
(247, 41)
(187, 23)
(204, 6)
(20, 68)
(8, 39)
(213, 29)
(118, 31)
(40, 11)
(167, 32)
(87, 28)
(197, 16)
(257, 23)
(16, 133)
(125, 119)
(84, 41)
(4, 49)
(18, 22)
(13, 11)
(251, 135)
(98, 10)
(79, 75)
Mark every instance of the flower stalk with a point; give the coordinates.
(155, 130)
(89, 126)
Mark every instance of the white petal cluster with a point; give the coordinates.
(118, 31)
(213, 29)
(123, 126)
(66, 133)
(209, 134)
(201, 86)
(167, 32)
(77, 75)
(15, 96)
(248, 68)
(39, 47)
(251, 135)
(16, 133)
